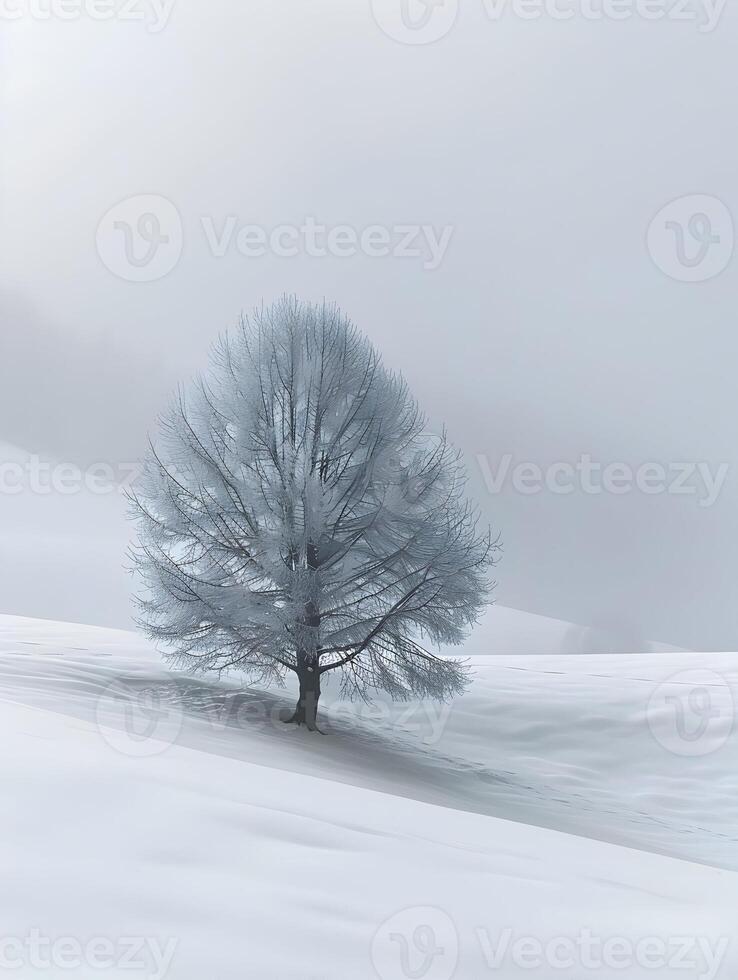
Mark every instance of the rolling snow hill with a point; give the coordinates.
(579, 808)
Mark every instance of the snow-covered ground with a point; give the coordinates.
(569, 816)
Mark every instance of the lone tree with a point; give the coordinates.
(295, 515)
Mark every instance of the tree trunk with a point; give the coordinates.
(306, 710)
(308, 661)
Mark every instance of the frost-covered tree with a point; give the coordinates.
(295, 515)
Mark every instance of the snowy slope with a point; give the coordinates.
(502, 630)
(160, 807)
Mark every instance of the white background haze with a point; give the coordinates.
(546, 332)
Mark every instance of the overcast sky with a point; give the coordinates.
(530, 155)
